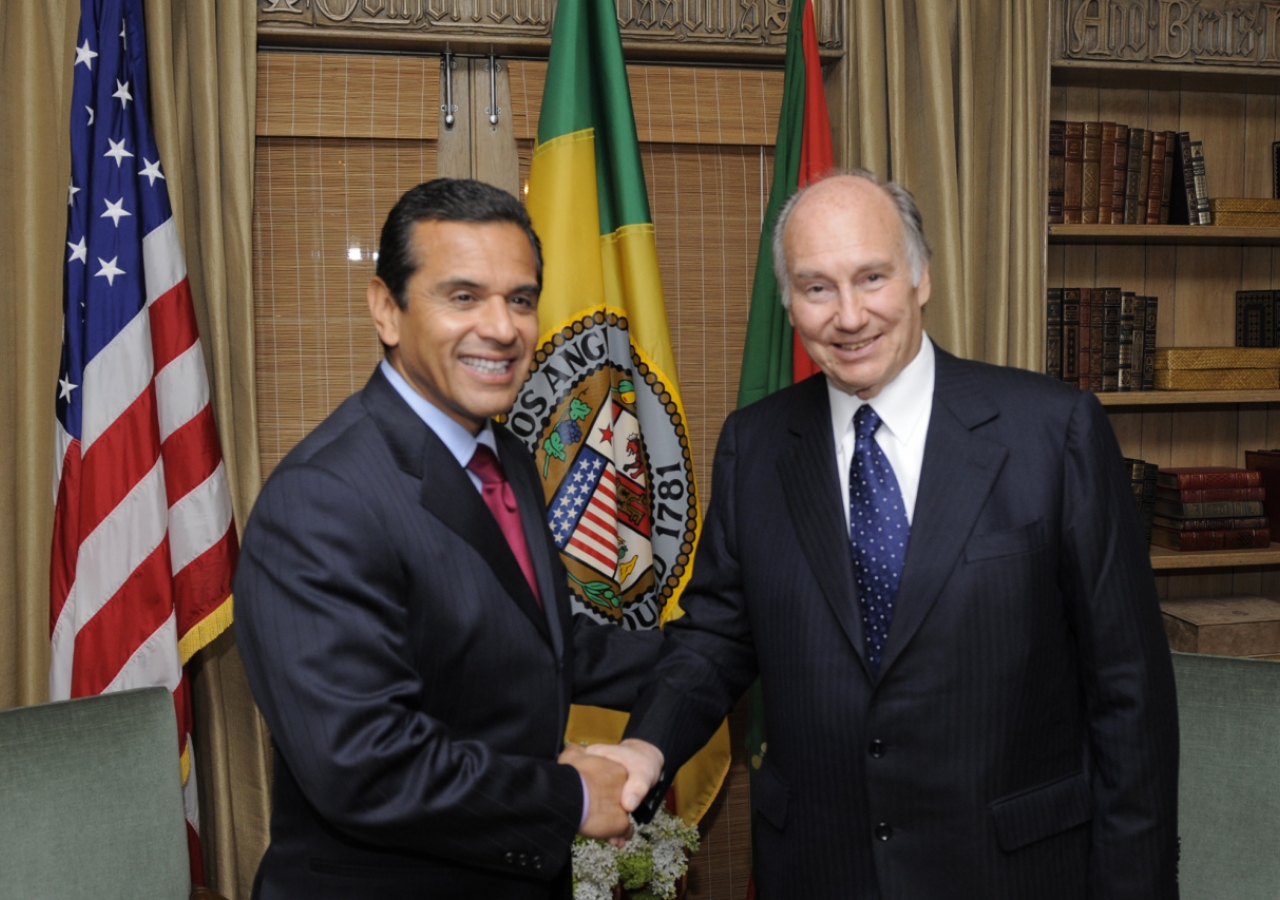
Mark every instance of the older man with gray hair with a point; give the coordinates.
(936, 570)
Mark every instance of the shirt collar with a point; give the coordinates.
(900, 404)
(460, 442)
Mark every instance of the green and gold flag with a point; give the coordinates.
(601, 410)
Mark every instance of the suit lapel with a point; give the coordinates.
(811, 485)
(529, 497)
(448, 494)
(960, 468)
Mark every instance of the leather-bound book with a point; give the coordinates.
(1110, 338)
(1084, 340)
(1213, 509)
(1070, 334)
(1057, 164)
(1249, 522)
(1133, 187)
(1095, 339)
(1120, 165)
(1053, 334)
(1107, 173)
(1155, 184)
(1182, 202)
(1149, 342)
(1139, 341)
(1210, 495)
(1091, 173)
(1247, 539)
(1170, 157)
(1124, 352)
(1201, 182)
(1073, 173)
(1186, 477)
(1255, 319)
(1144, 175)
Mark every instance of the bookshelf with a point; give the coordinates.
(1234, 109)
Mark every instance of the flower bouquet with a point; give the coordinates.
(650, 866)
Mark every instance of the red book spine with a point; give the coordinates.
(1183, 478)
(1245, 539)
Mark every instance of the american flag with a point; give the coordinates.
(144, 545)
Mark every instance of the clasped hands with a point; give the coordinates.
(618, 778)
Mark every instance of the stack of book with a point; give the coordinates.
(1209, 508)
(1142, 478)
(1110, 174)
(1101, 339)
(1217, 368)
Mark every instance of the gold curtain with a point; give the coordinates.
(37, 42)
(203, 57)
(203, 67)
(947, 97)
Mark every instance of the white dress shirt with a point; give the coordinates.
(904, 406)
(461, 443)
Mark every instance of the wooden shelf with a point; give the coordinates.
(1164, 76)
(1183, 398)
(1163, 559)
(1203, 235)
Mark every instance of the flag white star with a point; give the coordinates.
(114, 211)
(122, 91)
(90, 111)
(151, 171)
(117, 151)
(85, 55)
(65, 388)
(79, 251)
(72, 190)
(109, 270)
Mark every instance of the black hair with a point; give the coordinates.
(443, 200)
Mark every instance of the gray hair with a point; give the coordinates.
(917, 245)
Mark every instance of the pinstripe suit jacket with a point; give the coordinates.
(416, 693)
(1021, 738)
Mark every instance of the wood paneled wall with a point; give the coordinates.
(1196, 286)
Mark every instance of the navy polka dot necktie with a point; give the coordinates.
(878, 533)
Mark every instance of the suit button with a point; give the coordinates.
(537, 863)
(524, 860)
(883, 831)
(876, 749)
(510, 858)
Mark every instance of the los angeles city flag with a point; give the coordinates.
(601, 410)
(144, 545)
(773, 357)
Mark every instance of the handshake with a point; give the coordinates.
(617, 777)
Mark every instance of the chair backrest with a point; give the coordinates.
(1229, 786)
(91, 800)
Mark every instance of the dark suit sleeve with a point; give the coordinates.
(708, 657)
(322, 625)
(1125, 668)
(610, 663)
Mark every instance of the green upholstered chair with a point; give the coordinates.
(91, 800)
(1229, 787)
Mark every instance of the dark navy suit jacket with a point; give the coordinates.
(1020, 740)
(416, 693)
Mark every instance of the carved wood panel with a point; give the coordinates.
(1170, 32)
(724, 29)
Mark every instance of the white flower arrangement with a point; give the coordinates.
(647, 866)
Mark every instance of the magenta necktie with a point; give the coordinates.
(501, 501)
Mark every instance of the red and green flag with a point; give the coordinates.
(602, 411)
(773, 357)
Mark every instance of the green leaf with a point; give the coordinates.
(554, 446)
(578, 410)
(625, 385)
(601, 594)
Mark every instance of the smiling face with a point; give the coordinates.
(465, 338)
(852, 302)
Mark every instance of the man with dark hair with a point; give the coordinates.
(402, 613)
(936, 570)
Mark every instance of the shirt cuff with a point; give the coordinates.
(586, 801)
